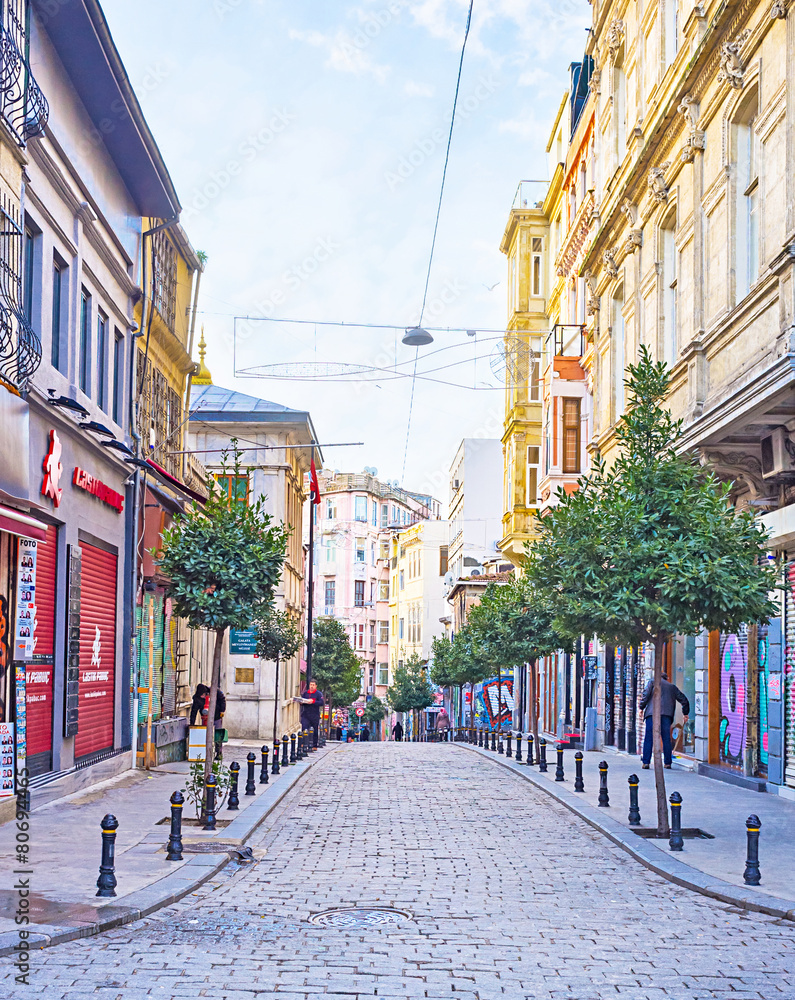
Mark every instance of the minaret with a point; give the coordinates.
(202, 376)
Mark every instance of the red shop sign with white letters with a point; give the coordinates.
(91, 484)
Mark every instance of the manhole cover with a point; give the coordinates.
(360, 916)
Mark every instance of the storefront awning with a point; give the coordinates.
(172, 481)
(17, 523)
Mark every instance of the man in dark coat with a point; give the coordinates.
(397, 731)
(311, 703)
(669, 696)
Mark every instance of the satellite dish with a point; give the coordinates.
(415, 336)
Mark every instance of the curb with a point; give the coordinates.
(171, 887)
(651, 857)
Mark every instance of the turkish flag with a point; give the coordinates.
(314, 486)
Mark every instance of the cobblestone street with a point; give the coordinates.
(510, 896)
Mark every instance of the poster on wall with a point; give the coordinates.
(6, 760)
(26, 600)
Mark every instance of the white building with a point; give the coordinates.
(475, 504)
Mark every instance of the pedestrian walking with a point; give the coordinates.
(364, 734)
(311, 701)
(397, 732)
(669, 696)
(200, 708)
(442, 721)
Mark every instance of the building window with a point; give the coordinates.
(102, 360)
(371, 682)
(164, 278)
(537, 265)
(360, 550)
(234, 487)
(383, 591)
(402, 580)
(358, 593)
(330, 595)
(372, 553)
(531, 487)
(671, 29)
(384, 514)
(747, 202)
(571, 435)
(669, 277)
(383, 633)
(360, 508)
(331, 549)
(384, 551)
(85, 340)
(359, 636)
(58, 269)
(401, 628)
(375, 514)
(443, 559)
(118, 376)
(620, 108)
(372, 635)
(331, 510)
(28, 273)
(383, 675)
(617, 337)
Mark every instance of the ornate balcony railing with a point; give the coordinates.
(20, 348)
(23, 106)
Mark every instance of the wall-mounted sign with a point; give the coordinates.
(6, 759)
(243, 641)
(53, 469)
(100, 490)
(25, 623)
(591, 670)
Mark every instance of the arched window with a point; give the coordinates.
(670, 273)
(746, 169)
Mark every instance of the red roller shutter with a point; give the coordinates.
(97, 651)
(39, 673)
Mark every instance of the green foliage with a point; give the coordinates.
(194, 784)
(412, 689)
(278, 633)
(223, 558)
(651, 546)
(335, 666)
(443, 668)
(374, 710)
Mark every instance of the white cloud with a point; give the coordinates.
(346, 52)
(413, 89)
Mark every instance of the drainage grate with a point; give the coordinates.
(360, 916)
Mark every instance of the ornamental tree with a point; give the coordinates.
(278, 637)
(335, 666)
(223, 558)
(651, 547)
(411, 691)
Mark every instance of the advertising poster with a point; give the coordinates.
(6, 760)
(25, 622)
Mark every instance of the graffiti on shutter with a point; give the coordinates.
(733, 688)
(40, 670)
(97, 651)
(789, 671)
(72, 686)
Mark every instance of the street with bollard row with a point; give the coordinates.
(435, 871)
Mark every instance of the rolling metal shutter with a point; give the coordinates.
(40, 672)
(789, 672)
(97, 651)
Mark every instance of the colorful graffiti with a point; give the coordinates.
(734, 695)
(487, 703)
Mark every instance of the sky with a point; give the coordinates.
(306, 141)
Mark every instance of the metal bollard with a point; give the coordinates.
(752, 875)
(518, 748)
(604, 798)
(530, 741)
(508, 738)
(634, 811)
(263, 771)
(494, 740)
(579, 784)
(473, 736)
(234, 775)
(251, 788)
(292, 748)
(675, 841)
(285, 751)
(106, 883)
(559, 774)
(300, 749)
(275, 764)
(542, 756)
(480, 738)
(174, 845)
(500, 744)
(209, 802)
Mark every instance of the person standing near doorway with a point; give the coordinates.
(669, 696)
(311, 702)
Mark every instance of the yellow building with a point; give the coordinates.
(525, 244)
(418, 565)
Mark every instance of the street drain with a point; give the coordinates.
(360, 916)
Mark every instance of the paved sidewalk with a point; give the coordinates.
(718, 808)
(65, 847)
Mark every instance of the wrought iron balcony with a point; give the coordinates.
(20, 348)
(23, 106)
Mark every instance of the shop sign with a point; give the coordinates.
(100, 490)
(243, 641)
(6, 760)
(53, 469)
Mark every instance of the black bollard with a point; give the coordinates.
(209, 802)
(518, 748)
(530, 741)
(275, 762)
(579, 784)
(542, 756)
(634, 811)
(480, 738)
(473, 736)
(106, 883)
(559, 774)
(494, 740)
(285, 751)
(234, 776)
(509, 751)
(263, 771)
(500, 744)
(604, 798)
(675, 841)
(300, 749)
(174, 845)
(292, 748)
(251, 787)
(752, 875)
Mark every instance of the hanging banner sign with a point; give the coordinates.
(6, 760)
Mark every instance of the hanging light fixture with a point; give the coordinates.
(415, 336)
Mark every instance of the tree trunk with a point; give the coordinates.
(533, 702)
(471, 704)
(215, 680)
(663, 829)
(276, 699)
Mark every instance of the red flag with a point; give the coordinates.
(314, 486)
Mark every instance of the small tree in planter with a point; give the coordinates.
(278, 637)
(650, 547)
(223, 558)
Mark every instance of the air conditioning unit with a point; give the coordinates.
(778, 453)
(456, 484)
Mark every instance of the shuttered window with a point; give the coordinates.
(97, 651)
(39, 673)
(571, 435)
